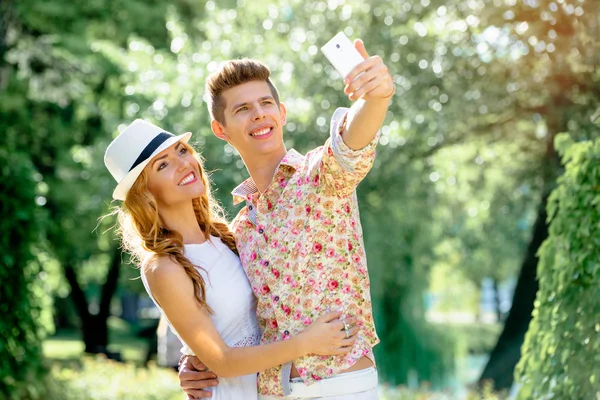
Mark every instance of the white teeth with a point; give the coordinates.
(190, 177)
(261, 132)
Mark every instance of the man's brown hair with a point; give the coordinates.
(231, 74)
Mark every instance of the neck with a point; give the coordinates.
(262, 169)
(182, 219)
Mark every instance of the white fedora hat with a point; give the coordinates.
(128, 154)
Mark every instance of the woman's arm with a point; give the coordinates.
(173, 290)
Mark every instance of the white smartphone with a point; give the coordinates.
(341, 54)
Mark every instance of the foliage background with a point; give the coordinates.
(458, 192)
(560, 351)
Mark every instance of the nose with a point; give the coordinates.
(183, 164)
(259, 113)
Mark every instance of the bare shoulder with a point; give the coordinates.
(163, 274)
(163, 268)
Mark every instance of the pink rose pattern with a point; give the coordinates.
(302, 249)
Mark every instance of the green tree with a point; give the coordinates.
(62, 100)
(288, 42)
(458, 91)
(555, 84)
(560, 353)
(21, 221)
(464, 162)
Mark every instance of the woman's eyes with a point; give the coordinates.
(164, 165)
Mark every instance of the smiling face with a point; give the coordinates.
(252, 121)
(175, 176)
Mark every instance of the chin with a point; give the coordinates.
(197, 193)
(189, 194)
(269, 147)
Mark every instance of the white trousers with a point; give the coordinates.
(357, 385)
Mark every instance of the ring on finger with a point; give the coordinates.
(346, 326)
(347, 333)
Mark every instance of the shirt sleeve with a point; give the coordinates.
(347, 158)
(341, 169)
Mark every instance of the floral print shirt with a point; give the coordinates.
(301, 246)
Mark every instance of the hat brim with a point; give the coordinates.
(127, 182)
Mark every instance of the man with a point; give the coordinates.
(299, 236)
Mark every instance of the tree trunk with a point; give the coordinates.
(95, 334)
(110, 285)
(506, 353)
(497, 301)
(94, 327)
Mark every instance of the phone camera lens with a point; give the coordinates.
(337, 46)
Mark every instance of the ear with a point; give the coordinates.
(283, 112)
(219, 130)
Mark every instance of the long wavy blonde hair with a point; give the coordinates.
(145, 237)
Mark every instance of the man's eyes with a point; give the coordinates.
(266, 102)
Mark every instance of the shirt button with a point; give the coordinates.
(286, 332)
(261, 231)
(276, 298)
(250, 208)
(266, 263)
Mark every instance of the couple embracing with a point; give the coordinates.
(275, 305)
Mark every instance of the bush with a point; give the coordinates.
(402, 393)
(562, 346)
(96, 378)
(20, 352)
(102, 379)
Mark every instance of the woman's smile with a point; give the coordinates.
(189, 178)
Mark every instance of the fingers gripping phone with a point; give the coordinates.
(342, 54)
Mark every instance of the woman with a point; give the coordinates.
(175, 230)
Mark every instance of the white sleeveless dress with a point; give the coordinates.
(229, 294)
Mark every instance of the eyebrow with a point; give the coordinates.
(238, 105)
(164, 156)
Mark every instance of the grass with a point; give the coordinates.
(97, 378)
(67, 346)
(79, 375)
(63, 348)
(75, 375)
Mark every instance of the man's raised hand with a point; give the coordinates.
(370, 79)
